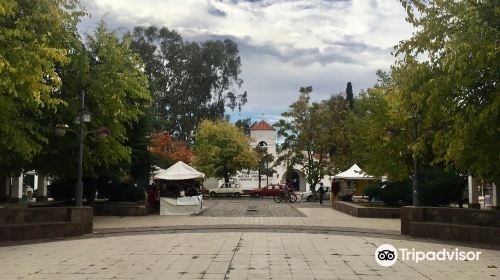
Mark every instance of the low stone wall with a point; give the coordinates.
(366, 212)
(42, 223)
(111, 209)
(460, 224)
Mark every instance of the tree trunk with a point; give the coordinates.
(312, 188)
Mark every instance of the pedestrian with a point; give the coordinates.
(321, 191)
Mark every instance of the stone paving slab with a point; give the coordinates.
(249, 208)
(325, 217)
(232, 255)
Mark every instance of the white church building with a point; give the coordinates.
(264, 135)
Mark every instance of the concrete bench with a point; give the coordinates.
(460, 224)
(41, 223)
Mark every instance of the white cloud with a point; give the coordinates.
(283, 44)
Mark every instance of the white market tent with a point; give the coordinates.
(178, 171)
(354, 173)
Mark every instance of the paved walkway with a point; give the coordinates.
(169, 247)
(253, 207)
(231, 255)
(315, 217)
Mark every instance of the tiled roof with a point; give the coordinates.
(262, 125)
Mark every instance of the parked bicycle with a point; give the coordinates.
(287, 195)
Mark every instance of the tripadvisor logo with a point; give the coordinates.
(387, 255)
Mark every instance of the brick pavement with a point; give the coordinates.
(314, 217)
(231, 255)
(249, 208)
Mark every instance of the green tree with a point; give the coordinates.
(381, 140)
(33, 42)
(189, 81)
(244, 125)
(141, 157)
(448, 74)
(349, 94)
(314, 136)
(221, 149)
(441, 186)
(265, 163)
(116, 97)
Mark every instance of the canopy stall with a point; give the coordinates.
(178, 171)
(178, 188)
(353, 180)
(354, 173)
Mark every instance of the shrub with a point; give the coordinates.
(372, 191)
(62, 189)
(397, 193)
(440, 187)
(121, 192)
(346, 197)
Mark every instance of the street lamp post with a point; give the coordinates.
(81, 137)
(416, 187)
(102, 132)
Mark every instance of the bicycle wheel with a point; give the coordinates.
(296, 198)
(278, 198)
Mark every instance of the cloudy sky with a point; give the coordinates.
(284, 44)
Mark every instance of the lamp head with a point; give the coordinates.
(60, 130)
(103, 132)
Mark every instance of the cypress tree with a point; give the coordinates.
(349, 94)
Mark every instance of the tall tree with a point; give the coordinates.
(221, 149)
(448, 74)
(244, 125)
(381, 139)
(189, 81)
(265, 163)
(34, 37)
(116, 96)
(312, 136)
(164, 146)
(349, 94)
(139, 142)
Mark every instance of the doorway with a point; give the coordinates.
(293, 178)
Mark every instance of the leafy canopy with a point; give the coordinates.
(34, 38)
(314, 136)
(116, 96)
(189, 81)
(164, 146)
(221, 149)
(448, 74)
(382, 139)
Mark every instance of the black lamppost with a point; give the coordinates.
(416, 187)
(102, 132)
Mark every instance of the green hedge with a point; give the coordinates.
(397, 193)
(121, 192)
(64, 189)
(439, 187)
(372, 191)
